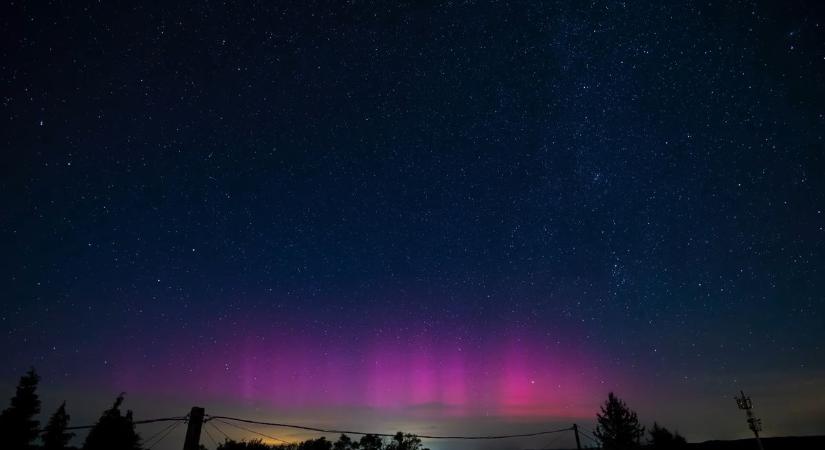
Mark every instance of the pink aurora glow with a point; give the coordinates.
(448, 375)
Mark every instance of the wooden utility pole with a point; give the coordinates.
(576, 432)
(193, 432)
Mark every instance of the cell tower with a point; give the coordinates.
(754, 423)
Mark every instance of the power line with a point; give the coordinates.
(152, 437)
(592, 439)
(164, 436)
(209, 435)
(362, 433)
(226, 436)
(553, 441)
(136, 422)
(253, 431)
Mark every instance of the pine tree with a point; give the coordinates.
(618, 427)
(113, 431)
(55, 436)
(18, 427)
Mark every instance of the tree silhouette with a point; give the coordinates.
(311, 444)
(55, 436)
(17, 424)
(662, 439)
(400, 441)
(345, 443)
(113, 431)
(403, 441)
(254, 444)
(315, 444)
(371, 442)
(618, 427)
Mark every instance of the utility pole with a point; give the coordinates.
(754, 423)
(576, 432)
(193, 432)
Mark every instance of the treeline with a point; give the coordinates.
(20, 429)
(400, 441)
(115, 430)
(617, 428)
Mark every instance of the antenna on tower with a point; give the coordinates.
(754, 423)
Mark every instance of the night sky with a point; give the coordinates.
(444, 217)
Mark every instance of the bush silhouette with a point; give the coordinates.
(662, 439)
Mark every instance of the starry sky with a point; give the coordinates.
(443, 217)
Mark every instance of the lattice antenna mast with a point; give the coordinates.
(754, 423)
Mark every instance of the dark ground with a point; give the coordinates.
(773, 443)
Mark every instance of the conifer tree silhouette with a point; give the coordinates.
(113, 431)
(618, 427)
(18, 427)
(55, 436)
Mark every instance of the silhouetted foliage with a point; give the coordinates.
(18, 427)
(371, 442)
(662, 439)
(113, 431)
(400, 441)
(55, 436)
(316, 444)
(403, 441)
(254, 444)
(345, 443)
(618, 427)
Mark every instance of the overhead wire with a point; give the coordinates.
(555, 440)
(136, 422)
(209, 435)
(362, 433)
(253, 431)
(163, 437)
(227, 420)
(161, 431)
(592, 439)
(226, 436)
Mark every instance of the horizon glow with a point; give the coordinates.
(514, 376)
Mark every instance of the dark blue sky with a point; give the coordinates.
(641, 183)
